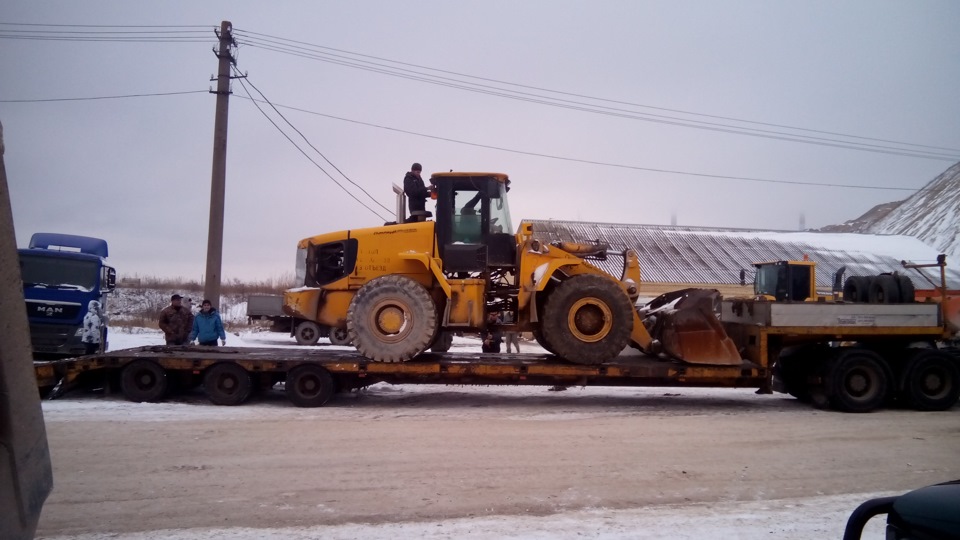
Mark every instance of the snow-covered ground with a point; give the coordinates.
(820, 516)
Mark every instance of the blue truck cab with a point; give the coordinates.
(61, 274)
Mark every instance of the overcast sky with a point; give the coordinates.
(136, 171)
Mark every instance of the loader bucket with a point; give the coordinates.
(686, 325)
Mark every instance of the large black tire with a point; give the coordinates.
(908, 292)
(856, 289)
(443, 342)
(930, 381)
(307, 333)
(587, 319)
(392, 319)
(857, 380)
(795, 366)
(542, 341)
(144, 380)
(339, 336)
(884, 290)
(309, 385)
(227, 383)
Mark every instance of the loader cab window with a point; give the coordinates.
(499, 211)
(765, 280)
(329, 262)
(467, 210)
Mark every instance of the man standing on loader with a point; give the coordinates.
(416, 192)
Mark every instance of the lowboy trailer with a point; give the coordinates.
(852, 357)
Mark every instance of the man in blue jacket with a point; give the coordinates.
(207, 326)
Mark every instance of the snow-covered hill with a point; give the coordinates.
(932, 214)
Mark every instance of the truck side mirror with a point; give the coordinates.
(109, 281)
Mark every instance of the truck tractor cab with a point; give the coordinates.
(786, 281)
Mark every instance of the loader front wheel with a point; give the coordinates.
(587, 319)
(392, 319)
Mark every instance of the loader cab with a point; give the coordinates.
(786, 281)
(473, 226)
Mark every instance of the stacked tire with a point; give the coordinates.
(881, 289)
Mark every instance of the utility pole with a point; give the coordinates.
(218, 179)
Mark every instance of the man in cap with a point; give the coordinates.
(176, 321)
(415, 190)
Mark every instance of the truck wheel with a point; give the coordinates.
(144, 380)
(339, 336)
(794, 367)
(931, 381)
(309, 386)
(307, 333)
(392, 319)
(856, 381)
(587, 319)
(443, 342)
(227, 383)
(884, 290)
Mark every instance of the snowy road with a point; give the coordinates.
(480, 462)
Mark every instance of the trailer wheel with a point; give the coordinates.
(794, 367)
(856, 381)
(227, 383)
(884, 290)
(931, 381)
(587, 319)
(443, 342)
(144, 380)
(392, 319)
(339, 336)
(309, 386)
(307, 333)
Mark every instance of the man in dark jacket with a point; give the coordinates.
(415, 190)
(176, 321)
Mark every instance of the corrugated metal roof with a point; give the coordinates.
(672, 254)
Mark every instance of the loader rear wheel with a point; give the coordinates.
(587, 319)
(339, 336)
(856, 380)
(884, 290)
(309, 386)
(392, 319)
(144, 380)
(931, 381)
(307, 333)
(227, 383)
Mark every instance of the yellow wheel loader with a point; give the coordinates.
(398, 288)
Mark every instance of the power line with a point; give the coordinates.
(92, 98)
(317, 165)
(304, 137)
(593, 162)
(110, 25)
(269, 44)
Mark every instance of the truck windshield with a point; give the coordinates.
(58, 273)
(765, 282)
